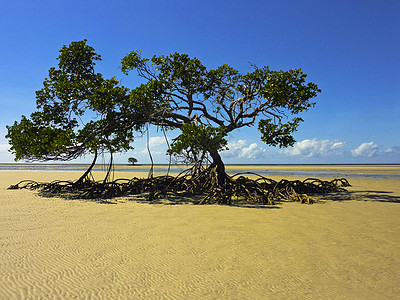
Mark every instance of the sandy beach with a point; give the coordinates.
(348, 247)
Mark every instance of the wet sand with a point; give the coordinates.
(52, 248)
(388, 169)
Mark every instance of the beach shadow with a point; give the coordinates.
(70, 197)
(170, 199)
(255, 206)
(361, 195)
(173, 199)
(192, 200)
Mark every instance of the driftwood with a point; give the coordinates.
(199, 182)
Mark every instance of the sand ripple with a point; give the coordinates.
(58, 249)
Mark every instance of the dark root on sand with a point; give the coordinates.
(194, 183)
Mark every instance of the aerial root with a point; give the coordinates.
(203, 183)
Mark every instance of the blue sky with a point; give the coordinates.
(349, 48)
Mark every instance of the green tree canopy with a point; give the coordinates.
(217, 101)
(132, 160)
(78, 111)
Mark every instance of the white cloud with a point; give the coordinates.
(5, 155)
(314, 148)
(392, 150)
(240, 149)
(156, 141)
(4, 147)
(365, 149)
(337, 145)
(146, 152)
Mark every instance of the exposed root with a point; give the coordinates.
(193, 182)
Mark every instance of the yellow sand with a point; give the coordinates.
(51, 248)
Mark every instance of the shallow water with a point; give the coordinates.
(264, 170)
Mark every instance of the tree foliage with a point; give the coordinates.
(179, 92)
(132, 160)
(214, 102)
(74, 92)
(197, 138)
(79, 111)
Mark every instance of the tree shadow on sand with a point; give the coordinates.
(169, 200)
(361, 195)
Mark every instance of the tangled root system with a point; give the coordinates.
(202, 183)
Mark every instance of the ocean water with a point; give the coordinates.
(264, 170)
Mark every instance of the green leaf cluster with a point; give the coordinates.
(197, 138)
(278, 134)
(223, 97)
(132, 160)
(31, 140)
(72, 93)
(79, 111)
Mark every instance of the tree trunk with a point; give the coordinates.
(86, 174)
(220, 167)
(107, 178)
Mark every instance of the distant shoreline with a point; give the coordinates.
(362, 171)
(269, 164)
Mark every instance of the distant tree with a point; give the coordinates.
(132, 160)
